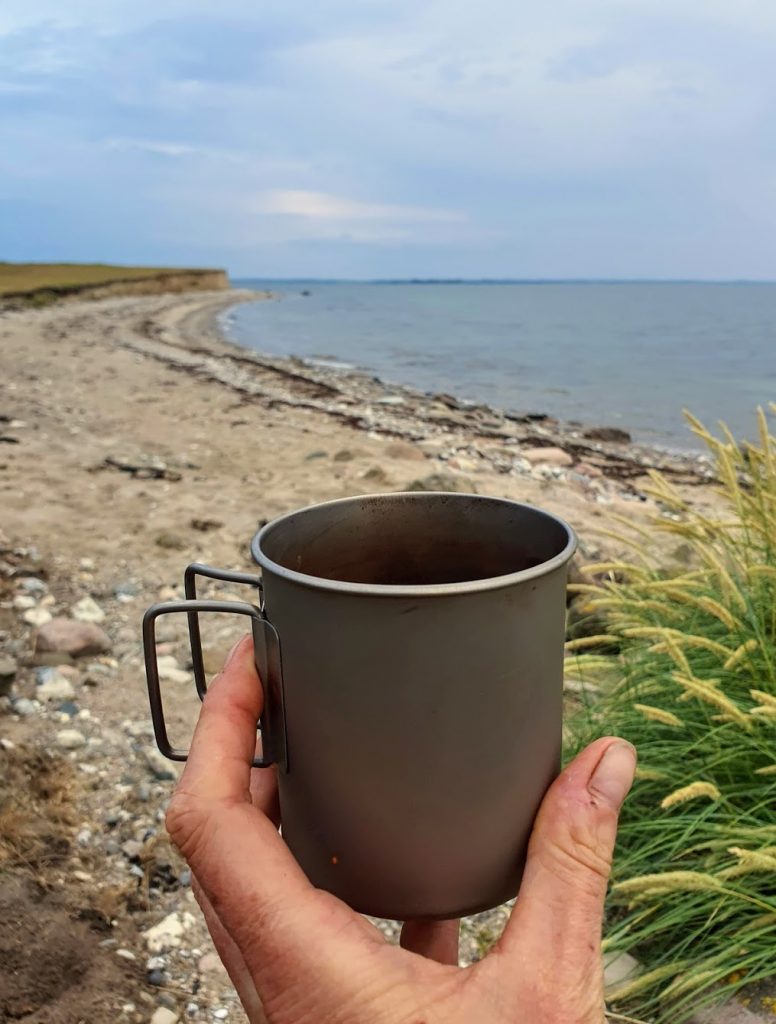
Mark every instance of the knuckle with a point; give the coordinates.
(185, 821)
(582, 851)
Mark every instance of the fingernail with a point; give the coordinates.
(614, 775)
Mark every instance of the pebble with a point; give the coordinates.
(160, 767)
(155, 963)
(167, 934)
(24, 707)
(52, 685)
(78, 639)
(70, 739)
(549, 456)
(37, 616)
(209, 962)
(87, 563)
(6, 744)
(87, 610)
(82, 876)
(125, 591)
(443, 482)
(131, 849)
(221, 1013)
(163, 1015)
(68, 709)
(126, 954)
(157, 978)
(170, 670)
(23, 601)
(84, 837)
(171, 540)
(32, 585)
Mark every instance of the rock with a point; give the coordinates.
(344, 455)
(125, 592)
(547, 456)
(607, 434)
(126, 954)
(376, 475)
(23, 601)
(37, 616)
(87, 610)
(171, 540)
(208, 963)
(220, 1013)
(587, 469)
(170, 670)
(79, 639)
(404, 450)
(6, 744)
(619, 967)
(160, 767)
(52, 685)
(168, 933)
(731, 1012)
(443, 482)
(8, 669)
(132, 849)
(53, 658)
(318, 454)
(163, 1015)
(32, 585)
(157, 978)
(70, 709)
(24, 707)
(70, 739)
(206, 525)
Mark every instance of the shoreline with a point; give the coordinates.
(420, 411)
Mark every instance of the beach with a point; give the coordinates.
(135, 439)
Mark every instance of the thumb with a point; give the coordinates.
(558, 914)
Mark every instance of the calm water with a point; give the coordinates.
(630, 355)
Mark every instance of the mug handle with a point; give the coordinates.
(266, 642)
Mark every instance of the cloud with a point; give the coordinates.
(586, 137)
(323, 206)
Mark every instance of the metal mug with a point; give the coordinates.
(410, 647)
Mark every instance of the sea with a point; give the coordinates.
(630, 355)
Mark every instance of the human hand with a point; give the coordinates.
(298, 955)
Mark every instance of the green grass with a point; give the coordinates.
(50, 280)
(694, 878)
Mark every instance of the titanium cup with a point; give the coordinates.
(410, 647)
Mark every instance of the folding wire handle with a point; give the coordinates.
(266, 645)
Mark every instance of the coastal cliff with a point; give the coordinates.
(25, 285)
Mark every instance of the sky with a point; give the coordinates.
(392, 138)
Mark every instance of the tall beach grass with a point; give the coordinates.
(694, 881)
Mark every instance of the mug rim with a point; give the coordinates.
(415, 589)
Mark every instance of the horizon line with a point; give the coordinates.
(504, 280)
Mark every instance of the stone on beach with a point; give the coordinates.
(549, 456)
(37, 616)
(70, 739)
(52, 685)
(168, 933)
(443, 482)
(68, 636)
(87, 610)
